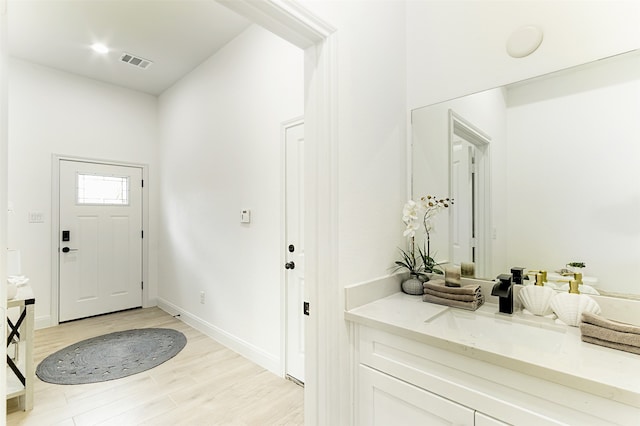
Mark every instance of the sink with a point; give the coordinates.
(498, 331)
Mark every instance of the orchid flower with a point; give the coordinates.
(412, 227)
(410, 211)
(419, 213)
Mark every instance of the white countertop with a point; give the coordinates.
(566, 360)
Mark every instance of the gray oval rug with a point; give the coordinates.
(111, 356)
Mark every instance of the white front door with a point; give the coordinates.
(294, 178)
(100, 241)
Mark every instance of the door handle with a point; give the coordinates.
(290, 265)
(67, 249)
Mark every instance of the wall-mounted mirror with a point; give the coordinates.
(544, 172)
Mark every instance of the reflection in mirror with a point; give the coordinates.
(469, 187)
(561, 176)
(453, 144)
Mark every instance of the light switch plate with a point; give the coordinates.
(36, 217)
(245, 216)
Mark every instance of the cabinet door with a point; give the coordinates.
(484, 420)
(385, 400)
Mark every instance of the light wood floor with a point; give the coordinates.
(205, 384)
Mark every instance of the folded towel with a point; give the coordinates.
(610, 324)
(471, 306)
(451, 296)
(609, 335)
(612, 345)
(439, 286)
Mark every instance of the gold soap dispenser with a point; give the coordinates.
(574, 287)
(575, 283)
(570, 306)
(536, 298)
(541, 276)
(577, 276)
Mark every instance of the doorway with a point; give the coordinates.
(99, 238)
(470, 184)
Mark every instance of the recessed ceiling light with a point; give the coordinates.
(100, 48)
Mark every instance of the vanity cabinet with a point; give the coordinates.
(385, 400)
(402, 381)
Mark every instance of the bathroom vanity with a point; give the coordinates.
(421, 363)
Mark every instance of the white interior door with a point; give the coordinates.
(462, 185)
(294, 148)
(100, 241)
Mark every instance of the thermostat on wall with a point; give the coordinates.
(245, 216)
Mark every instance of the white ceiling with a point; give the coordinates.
(176, 35)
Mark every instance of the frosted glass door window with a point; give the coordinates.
(103, 190)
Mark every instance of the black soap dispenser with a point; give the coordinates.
(504, 290)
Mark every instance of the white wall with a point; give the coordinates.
(458, 47)
(371, 134)
(573, 163)
(221, 151)
(54, 112)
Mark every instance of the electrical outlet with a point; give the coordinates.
(202, 297)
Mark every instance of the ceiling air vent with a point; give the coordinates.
(136, 61)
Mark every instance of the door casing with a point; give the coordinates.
(463, 128)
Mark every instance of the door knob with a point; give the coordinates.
(67, 249)
(290, 265)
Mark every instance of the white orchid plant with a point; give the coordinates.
(416, 215)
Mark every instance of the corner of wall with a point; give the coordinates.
(240, 346)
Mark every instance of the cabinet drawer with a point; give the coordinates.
(385, 400)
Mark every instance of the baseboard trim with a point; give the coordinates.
(247, 350)
(43, 322)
